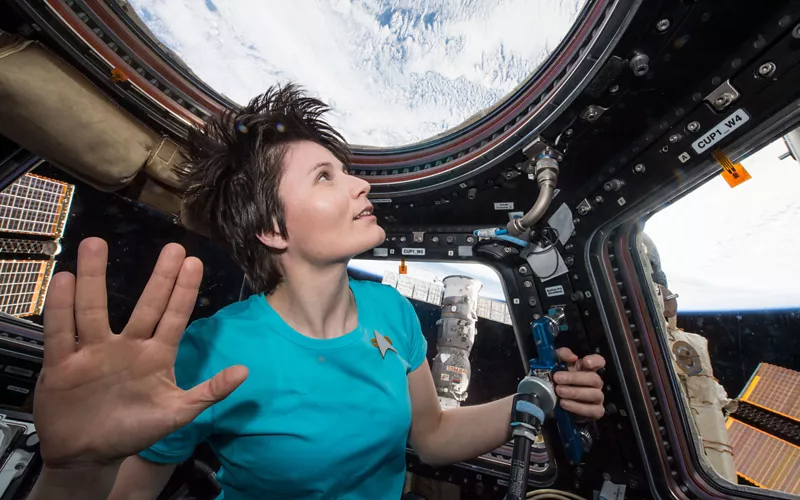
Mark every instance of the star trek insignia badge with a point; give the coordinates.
(383, 344)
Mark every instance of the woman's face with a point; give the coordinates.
(328, 216)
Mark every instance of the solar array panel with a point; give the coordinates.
(432, 293)
(23, 286)
(763, 459)
(35, 205)
(776, 389)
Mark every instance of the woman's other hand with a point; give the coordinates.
(580, 388)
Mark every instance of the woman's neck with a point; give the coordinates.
(316, 302)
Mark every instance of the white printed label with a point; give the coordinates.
(505, 205)
(413, 251)
(554, 291)
(20, 390)
(684, 157)
(723, 128)
(380, 200)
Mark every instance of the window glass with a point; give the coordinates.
(725, 260)
(395, 72)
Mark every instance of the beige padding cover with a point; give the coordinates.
(51, 109)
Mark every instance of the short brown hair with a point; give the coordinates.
(234, 166)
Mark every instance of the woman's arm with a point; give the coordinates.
(134, 479)
(445, 437)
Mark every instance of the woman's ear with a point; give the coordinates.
(273, 239)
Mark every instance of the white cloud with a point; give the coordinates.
(735, 249)
(396, 71)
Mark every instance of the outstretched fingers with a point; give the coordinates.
(59, 319)
(153, 302)
(91, 303)
(181, 303)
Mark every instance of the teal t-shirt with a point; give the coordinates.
(316, 418)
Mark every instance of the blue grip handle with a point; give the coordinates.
(547, 359)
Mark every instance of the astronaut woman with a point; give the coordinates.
(287, 386)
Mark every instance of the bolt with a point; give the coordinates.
(569, 260)
(663, 25)
(693, 127)
(450, 239)
(591, 114)
(723, 100)
(532, 302)
(796, 31)
(527, 283)
(613, 185)
(613, 89)
(598, 199)
(640, 64)
(537, 316)
(583, 209)
(767, 69)
(675, 138)
(470, 239)
(639, 168)
(523, 270)
(435, 239)
(664, 148)
(507, 249)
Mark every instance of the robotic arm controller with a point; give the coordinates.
(535, 399)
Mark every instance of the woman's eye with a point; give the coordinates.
(323, 176)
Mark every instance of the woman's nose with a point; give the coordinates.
(361, 187)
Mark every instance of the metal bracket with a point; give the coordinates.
(419, 236)
(539, 146)
(585, 207)
(723, 96)
(593, 112)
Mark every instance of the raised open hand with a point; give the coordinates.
(108, 396)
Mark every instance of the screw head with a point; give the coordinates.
(674, 138)
(613, 89)
(527, 283)
(588, 294)
(435, 239)
(507, 249)
(639, 168)
(537, 316)
(583, 210)
(724, 99)
(663, 25)
(693, 127)
(767, 69)
(403, 238)
(796, 31)
(568, 132)
(532, 302)
(591, 114)
(598, 199)
(470, 239)
(523, 270)
(586, 312)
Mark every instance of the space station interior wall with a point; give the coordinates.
(57, 113)
(702, 394)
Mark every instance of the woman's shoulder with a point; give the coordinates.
(375, 291)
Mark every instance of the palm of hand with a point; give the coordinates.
(109, 396)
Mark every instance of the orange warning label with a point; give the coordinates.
(733, 173)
